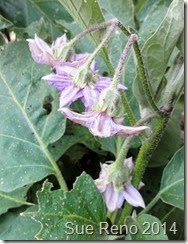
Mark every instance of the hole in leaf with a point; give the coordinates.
(47, 104)
(105, 73)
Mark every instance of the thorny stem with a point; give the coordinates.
(124, 149)
(100, 46)
(122, 60)
(143, 158)
(142, 72)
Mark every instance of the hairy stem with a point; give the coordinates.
(127, 109)
(93, 29)
(142, 72)
(104, 40)
(122, 60)
(143, 158)
(126, 145)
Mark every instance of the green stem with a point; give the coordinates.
(128, 109)
(126, 145)
(100, 46)
(122, 60)
(92, 29)
(123, 152)
(151, 204)
(142, 72)
(143, 158)
(58, 174)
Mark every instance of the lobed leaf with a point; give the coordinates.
(81, 206)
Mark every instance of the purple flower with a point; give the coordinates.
(69, 92)
(101, 124)
(42, 53)
(114, 199)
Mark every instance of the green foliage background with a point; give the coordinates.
(31, 137)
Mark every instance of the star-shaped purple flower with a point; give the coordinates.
(101, 124)
(69, 92)
(114, 199)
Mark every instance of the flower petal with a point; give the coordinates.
(60, 40)
(129, 163)
(82, 119)
(58, 81)
(111, 197)
(128, 130)
(90, 96)
(133, 196)
(69, 95)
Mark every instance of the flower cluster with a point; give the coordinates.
(75, 79)
(114, 196)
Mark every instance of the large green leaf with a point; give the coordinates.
(122, 10)
(81, 206)
(87, 14)
(14, 226)
(173, 218)
(150, 19)
(27, 126)
(172, 183)
(23, 12)
(158, 48)
(148, 228)
(4, 23)
(12, 199)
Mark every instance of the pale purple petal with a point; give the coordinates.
(118, 120)
(66, 69)
(58, 81)
(111, 197)
(42, 44)
(129, 163)
(133, 196)
(100, 185)
(40, 51)
(82, 119)
(83, 57)
(90, 96)
(120, 200)
(69, 95)
(60, 41)
(105, 82)
(128, 130)
(141, 184)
